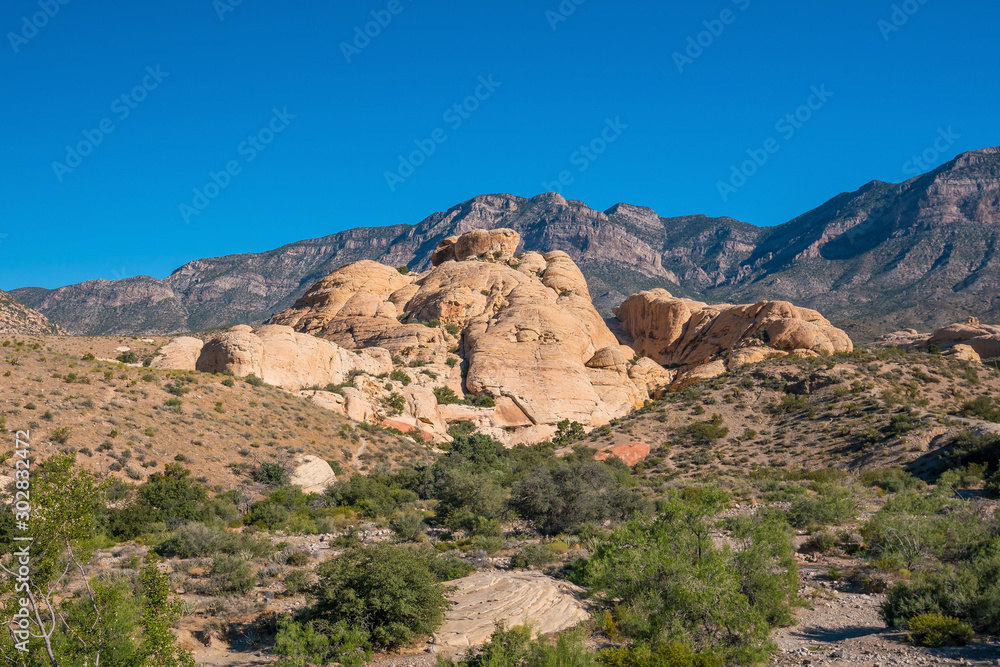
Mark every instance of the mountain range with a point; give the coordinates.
(887, 256)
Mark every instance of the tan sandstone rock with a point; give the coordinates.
(179, 354)
(481, 600)
(526, 330)
(312, 474)
(983, 339)
(287, 359)
(675, 331)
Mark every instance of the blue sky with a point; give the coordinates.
(261, 94)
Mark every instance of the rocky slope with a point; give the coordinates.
(16, 318)
(888, 256)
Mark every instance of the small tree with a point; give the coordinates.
(388, 589)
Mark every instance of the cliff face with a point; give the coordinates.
(916, 254)
(16, 318)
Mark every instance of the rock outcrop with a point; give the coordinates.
(481, 600)
(312, 474)
(678, 332)
(532, 344)
(278, 355)
(968, 340)
(629, 454)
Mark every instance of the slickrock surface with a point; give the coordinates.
(517, 598)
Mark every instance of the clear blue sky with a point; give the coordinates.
(118, 212)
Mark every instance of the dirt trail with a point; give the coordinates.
(843, 627)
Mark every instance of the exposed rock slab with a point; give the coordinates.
(312, 474)
(629, 454)
(967, 340)
(516, 598)
(681, 332)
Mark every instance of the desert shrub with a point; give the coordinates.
(705, 433)
(409, 526)
(400, 376)
(935, 630)
(821, 542)
(834, 504)
(481, 401)
(392, 587)
(61, 435)
(253, 380)
(318, 642)
(446, 396)
(128, 357)
(981, 407)
(890, 480)
(669, 584)
(447, 568)
(561, 496)
(231, 574)
(270, 474)
(297, 581)
(534, 555)
(373, 494)
(514, 648)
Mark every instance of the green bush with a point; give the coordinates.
(230, 574)
(128, 357)
(834, 504)
(670, 584)
(821, 542)
(318, 642)
(400, 376)
(981, 407)
(446, 396)
(270, 474)
(935, 630)
(392, 587)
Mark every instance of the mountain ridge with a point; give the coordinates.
(865, 258)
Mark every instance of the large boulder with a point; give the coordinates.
(682, 332)
(495, 244)
(312, 474)
(278, 355)
(179, 354)
(958, 338)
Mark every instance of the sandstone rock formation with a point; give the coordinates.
(481, 600)
(276, 354)
(525, 329)
(312, 474)
(180, 353)
(629, 454)
(969, 340)
(680, 332)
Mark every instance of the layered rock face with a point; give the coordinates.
(685, 333)
(525, 327)
(969, 340)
